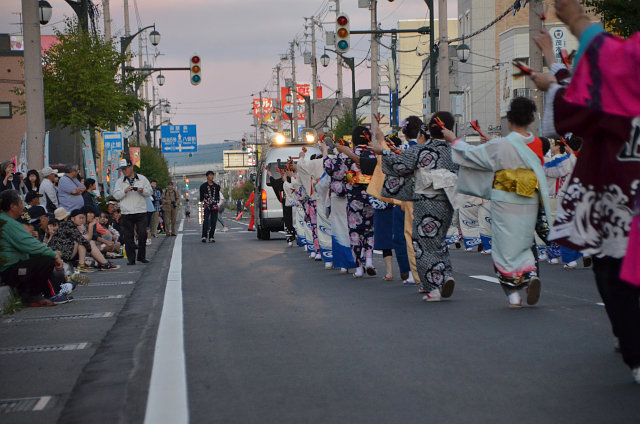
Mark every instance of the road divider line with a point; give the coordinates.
(167, 401)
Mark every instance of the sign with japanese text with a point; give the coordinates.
(304, 90)
(179, 138)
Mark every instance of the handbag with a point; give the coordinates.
(542, 225)
(51, 207)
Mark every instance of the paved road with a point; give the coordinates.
(271, 337)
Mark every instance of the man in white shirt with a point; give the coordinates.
(48, 190)
(131, 192)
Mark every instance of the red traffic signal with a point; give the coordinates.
(343, 33)
(195, 68)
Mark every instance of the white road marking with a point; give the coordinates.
(167, 401)
(486, 278)
(42, 403)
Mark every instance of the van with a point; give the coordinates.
(267, 207)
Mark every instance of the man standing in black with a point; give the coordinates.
(210, 198)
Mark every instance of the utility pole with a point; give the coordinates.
(294, 93)
(314, 70)
(535, 54)
(375, 83)
(34, 87)
(339, 62)
(106, 13)
(443, 56)
(433, 54)
(279, 104)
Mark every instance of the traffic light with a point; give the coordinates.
(186, 183)
(343, 33)
(388, 69)
(195, 67)
(244, 144)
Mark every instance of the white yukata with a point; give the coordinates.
(319, 187)
(513, 215)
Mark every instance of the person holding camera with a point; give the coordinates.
(170, 208)
(131, 192)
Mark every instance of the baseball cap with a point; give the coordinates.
(37, 211)
(25, 218)
(124, 163)
(76, 212)
(31, 195)
(46, 171)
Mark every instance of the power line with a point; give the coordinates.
(515, 7)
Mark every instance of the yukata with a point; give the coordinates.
(401, 188)
(468, 220)
(432, 209)
(336, 168)
(319, 187)
(558, 169)
(292, 196)
(310, 201)
(602, 105)
(484, 225)
(516, 186)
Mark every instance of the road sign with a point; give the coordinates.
(235, 160)
(112, 140)
(179, 138)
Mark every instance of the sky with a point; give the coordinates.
(239, 42)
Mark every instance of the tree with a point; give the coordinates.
(345, 124)
(619, 16)
(243, 192)
(82, 87)
(153, 165)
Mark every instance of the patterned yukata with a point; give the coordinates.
(336, 169)
(359, 210)
(432, 212)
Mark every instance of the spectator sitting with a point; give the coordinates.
(29, 264)
(31, 199)
(33, 181)
(38, 214)
(52, 227)
(105, 222)
(70, 242)
(116, 220)
(87, 228)
(100, 235)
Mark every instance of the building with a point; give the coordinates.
(13, 123)
(413, 50)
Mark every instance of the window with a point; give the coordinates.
(5, 110)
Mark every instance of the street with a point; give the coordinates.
(272, 337)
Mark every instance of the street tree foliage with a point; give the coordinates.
(82, 86)
(243, 192)
(154, 166)
(345, 124)
(621, 17)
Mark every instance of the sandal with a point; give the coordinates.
(388, 277)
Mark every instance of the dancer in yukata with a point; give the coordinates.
(432, 209)
(509, 173)
(359, 210)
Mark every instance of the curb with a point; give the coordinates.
(5, 297)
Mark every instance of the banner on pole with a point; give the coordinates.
(134, 155)
(87, 153)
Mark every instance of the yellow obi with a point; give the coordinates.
(520, 181)
(357, 178)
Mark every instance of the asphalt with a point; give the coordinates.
(272, 337)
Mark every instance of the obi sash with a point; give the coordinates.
(520, 181)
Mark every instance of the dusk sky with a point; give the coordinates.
(240, 42)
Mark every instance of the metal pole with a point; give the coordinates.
(443, 56)
(432, 57)
(34, 87)
(279, 105)
(535, 54)
(314, 61)
(294, 93)
(261, 121)
(395, 114)
(350, 61)
(340, 93)
(375, 83)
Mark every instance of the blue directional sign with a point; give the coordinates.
(112, 140)
(179, 138)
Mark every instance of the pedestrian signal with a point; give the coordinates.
(195, 67)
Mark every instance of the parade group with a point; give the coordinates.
(520, 198)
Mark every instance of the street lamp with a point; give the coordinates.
(325, 59)
(160, 78)
(463, 51)
(44, 11)
(154, 37)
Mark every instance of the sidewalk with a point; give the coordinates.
(44, 351)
